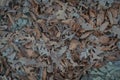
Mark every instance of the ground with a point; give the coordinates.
(59, 39)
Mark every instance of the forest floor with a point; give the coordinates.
(59, 40)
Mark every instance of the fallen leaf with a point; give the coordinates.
(114, 12)
(68, 21)
(110, 17)
(87, 26)
(49, 10)
(75, 27)
(61, 14)
(37, 33)
(92, 13)
(61, 51)
(11, 19)
(84, 35)
(116, 30)
(44, 77)
(104, 26)
(111, 58)
(73, 44)
(45, 38)
(98, 65)
(104, 39)
(58, 34)
(33, 16)
(30, 53)
(105, 48)
(28, 45)
(85, 17)
(100, 17)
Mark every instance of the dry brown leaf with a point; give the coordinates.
(45, 38)
(111, 58)
(112, 44)
(42, 23)
(75, 27)
(92, 23)
(68, 21)
(73, 44)
(33, 16)
(105, 48)
(52, 43)
(28, 71)
(58, 34)
(83, 44)
(92, 13)
(100, 18)
(28, 45)
(53, 21)
(110, 16)
(85, 35)
(11, 19)
(114, 12)
(30, 52)
(44, 77)
(98, 65)
(104, 39)
(37, 33)
(73, 2)
(49, 10)
(85, 17)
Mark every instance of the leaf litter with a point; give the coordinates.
(59, 39)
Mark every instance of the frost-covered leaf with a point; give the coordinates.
(76, 15)
(105, 3)
(25, 61)
(98, 78)
(116, 30)
(104, 26)
(69, 57)
(11, 57)
(21, 22)
(96, 72)
(84, 54)
(87, 26)
(42, 48)
(61, 14)
(61, 51)
(110, 16)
